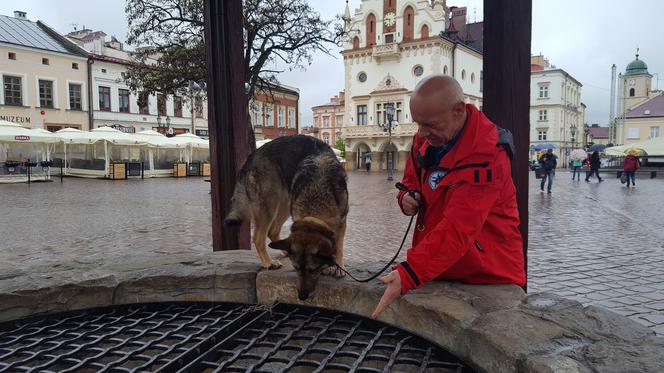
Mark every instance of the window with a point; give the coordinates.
(424, 33)
(633, 133)
(541, 135)
(472, 78)
(389, 38)
(13, 90)
(445, 70)
(103, 71)
(418, 70)
(356, 43)
(75, 97)
(123, 98)
(544, 91)
(11, 56)
(381, 113)
(326, 122)
(543, 115)
(338, 121)
(654, 132)
(362, 77)
(463, 74)
(631, 92)
(45, 93)
(326, 138)
(256, 114)
(143, 103)
(268, 116)
(45, 61)
(74, 65)
(105, 98)
(161, 105)
(177, 106)
(281, 117)
(361, 115)
(199, 107)
(291, 118)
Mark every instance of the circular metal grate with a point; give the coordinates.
(215, 337)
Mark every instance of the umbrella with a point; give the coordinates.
(596, 148)
(578, 154)
(545, 146)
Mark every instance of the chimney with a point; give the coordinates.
(20, 14)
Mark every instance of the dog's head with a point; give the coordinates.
(311, 248)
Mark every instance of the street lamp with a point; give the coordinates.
(195, 89)
(387, 127)
(572, 130)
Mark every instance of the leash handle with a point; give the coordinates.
(420, 212)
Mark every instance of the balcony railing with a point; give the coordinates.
(407, 129)
(385, 50)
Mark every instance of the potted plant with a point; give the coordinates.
(117, 170)
(179, 169)
(206, 168)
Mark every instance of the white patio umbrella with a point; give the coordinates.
(260, 143)
(154, 140)
(191, 142)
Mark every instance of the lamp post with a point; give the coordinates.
(387, 127)
(572, 131)
(195, 89)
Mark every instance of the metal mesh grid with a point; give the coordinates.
(214, 337)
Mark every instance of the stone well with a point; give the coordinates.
(493, 328)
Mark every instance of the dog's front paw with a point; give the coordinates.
(334, 272)
(275, 264)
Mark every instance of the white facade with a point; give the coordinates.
(556, 110)
(386, 72)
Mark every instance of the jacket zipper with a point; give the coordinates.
(479, 247)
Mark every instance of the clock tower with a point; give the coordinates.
(636, 83)
(389, 19)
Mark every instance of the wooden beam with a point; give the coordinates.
(506, 100)
(227, 114)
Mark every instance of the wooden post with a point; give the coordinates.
(227, 114)
(506, 100)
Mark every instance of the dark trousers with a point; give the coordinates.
(368, 165)
(548, 174)
(576, 171)
(630, 175)
(593, 172)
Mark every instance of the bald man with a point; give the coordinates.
(462, 190)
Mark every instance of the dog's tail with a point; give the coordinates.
(239, 208)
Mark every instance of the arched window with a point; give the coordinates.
(408, 23)
(371, 30)
(424, 33)
(356, 42)
(463, 74)
(472, 77)
(631, 92)
(445, 70)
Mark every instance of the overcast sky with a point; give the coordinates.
(582, 37)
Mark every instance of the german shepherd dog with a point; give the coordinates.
(297, 176)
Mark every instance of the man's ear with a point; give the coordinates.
(284, 244)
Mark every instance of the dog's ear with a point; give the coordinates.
(284, 244)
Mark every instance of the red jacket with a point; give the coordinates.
(631, 164)
(471, 222)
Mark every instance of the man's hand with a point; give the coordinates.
(392, 292)
(411, 205)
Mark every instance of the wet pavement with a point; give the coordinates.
(600, 244)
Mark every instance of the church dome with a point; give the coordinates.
(636, 67)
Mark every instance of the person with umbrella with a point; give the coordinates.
(595, 163)
(549, 162)
(578, 156)
(630, 165)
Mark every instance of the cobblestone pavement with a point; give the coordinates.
(600, 244)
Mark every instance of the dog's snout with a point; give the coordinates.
(303, 295)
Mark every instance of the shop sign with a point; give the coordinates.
(15, 118)
(22, 138)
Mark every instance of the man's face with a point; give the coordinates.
(438, 125)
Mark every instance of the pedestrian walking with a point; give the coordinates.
(367, 162)
(595, 164)
(630, 165)
(576, 169)
(549, 162)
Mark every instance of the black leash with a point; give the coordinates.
(399, 186)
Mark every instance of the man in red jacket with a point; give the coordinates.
(459, 170)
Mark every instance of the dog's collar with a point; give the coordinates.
(317, 221)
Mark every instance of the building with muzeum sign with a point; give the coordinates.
(391, 46)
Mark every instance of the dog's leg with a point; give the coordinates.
(260, 236)
(334, 271)
(283, 212)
